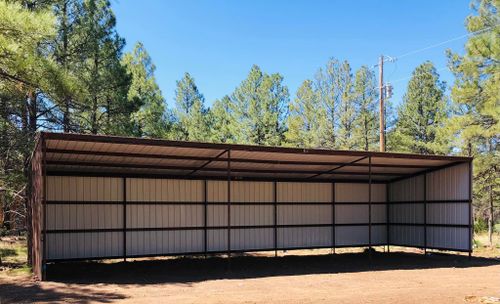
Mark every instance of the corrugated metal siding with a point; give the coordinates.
(408, 190)
(304, 237)
(164, 242)
(442, 188)
(449, 184)
(406, 235)
(304, 214)
(356, 213)
(84, 245)
(448, 237)
(79, 215)
(158, 203)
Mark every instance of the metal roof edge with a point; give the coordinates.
(241, 147)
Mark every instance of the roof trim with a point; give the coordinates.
(239, 147)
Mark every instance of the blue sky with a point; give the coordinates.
(218, 41)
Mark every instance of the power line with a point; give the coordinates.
(445, 42)
(408, 77)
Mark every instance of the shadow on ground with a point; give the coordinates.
(31, 292)
(191, 270)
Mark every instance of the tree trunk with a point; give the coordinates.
(490, 218)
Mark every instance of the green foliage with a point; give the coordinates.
(422, 114)
(222, 121)
(366, 124)
(480, 225)
(305, 119)
(190, 111)
(62, 68)
(150, 119)
(475, 127)
(259, 106)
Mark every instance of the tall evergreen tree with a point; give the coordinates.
(306, 118)
(476, 97)
(259, 106)
(222, 121)
(151, 119)
(104, 108)
(190, 111)
(334, 86)
(422, 114)
(346, 113)
(66, 48)
(365, 135)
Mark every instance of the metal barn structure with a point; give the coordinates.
(102, 197)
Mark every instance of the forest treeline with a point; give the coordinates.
(63, 68)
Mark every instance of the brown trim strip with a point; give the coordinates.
(236, 147)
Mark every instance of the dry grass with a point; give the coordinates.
(13, 257)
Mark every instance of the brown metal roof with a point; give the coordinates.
(79, 154)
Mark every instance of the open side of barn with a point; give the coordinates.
(101, 197)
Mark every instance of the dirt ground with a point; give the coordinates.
(292, 277)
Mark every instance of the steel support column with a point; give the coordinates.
(425, 214)
(471, 231)
(387, 215)
(124, 206)
(333, 217)
(275, 201)
(370, 206)
(205, 218)
(229, 203)
(44, 206)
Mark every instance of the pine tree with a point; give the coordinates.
(222, 121)
(151, 119)
(190, 111)
(104, 107)
(306, 115)
(475, 94)
(259, 108)
(422, 114)
(346, 113)
(334, 86)
(365, 95)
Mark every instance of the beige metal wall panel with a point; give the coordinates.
(158, 216)
(84, 216)
(358, 214)
(448, 213)
(448, 237)
(410, 213)
(241, 191)
(351, 235)
(355, 192)
(304, 214)
(449, 183)
(298, 237)
(411, 189)
(84, 245)
(167, 190)
(71, 188)
(407, 235)
(379, 234)
(217, 240)
(379, 213)
(251, 215)
(217, 191)
(164, 242)
(216, 215)
(251, 239)
(304, 192)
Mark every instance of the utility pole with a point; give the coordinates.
(381, 94)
